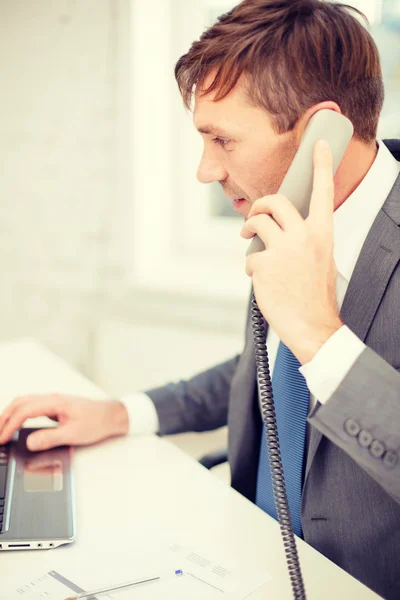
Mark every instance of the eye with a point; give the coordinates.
(220, 141)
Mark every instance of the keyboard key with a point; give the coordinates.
(2, 502)
(3, 476)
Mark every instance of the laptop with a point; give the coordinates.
(36, 496)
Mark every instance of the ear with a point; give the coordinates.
(304, 119)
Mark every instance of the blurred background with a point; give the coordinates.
(112, 255)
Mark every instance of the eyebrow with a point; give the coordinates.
(210, 129)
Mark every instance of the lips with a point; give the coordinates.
(237, 203)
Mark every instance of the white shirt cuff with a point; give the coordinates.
(143, 418)
(326, 371)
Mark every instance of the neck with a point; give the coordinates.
(356, 163)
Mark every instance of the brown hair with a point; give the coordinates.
(293, 54)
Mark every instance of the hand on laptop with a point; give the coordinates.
(81, 421)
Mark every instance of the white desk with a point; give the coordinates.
(150, 480)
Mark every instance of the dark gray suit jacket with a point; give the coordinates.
(351, 495)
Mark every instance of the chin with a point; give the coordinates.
(245, 209)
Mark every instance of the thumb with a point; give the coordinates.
(47, 438)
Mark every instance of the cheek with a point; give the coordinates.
(259, 172)
(265, 174)
(247, 172)
(266, 164)
(257, 177)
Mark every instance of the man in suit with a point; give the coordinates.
(328, 286)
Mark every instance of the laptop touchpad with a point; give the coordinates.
(43, 473)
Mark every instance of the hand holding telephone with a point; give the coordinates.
(297, 185)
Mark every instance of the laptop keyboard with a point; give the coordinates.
(4, 454)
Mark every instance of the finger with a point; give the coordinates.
(322, 197)
(255, 262)
(10, 409)
(26, 411)
(22, 401)
(264, 226)
(44, 439)
(279, 208)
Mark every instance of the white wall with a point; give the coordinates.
(57, 169)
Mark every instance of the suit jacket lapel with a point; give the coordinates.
(378, 258)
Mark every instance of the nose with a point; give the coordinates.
(210, 169)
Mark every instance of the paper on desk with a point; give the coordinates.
(48, 586)
(204, 578)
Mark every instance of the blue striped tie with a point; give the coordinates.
(291, 398)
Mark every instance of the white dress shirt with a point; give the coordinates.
(324, 373)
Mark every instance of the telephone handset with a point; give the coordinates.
(297, 185)
(337, 130)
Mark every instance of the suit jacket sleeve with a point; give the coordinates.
(198, 404)
(363, 418)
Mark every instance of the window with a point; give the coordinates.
(384, 18)
(184, 235)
